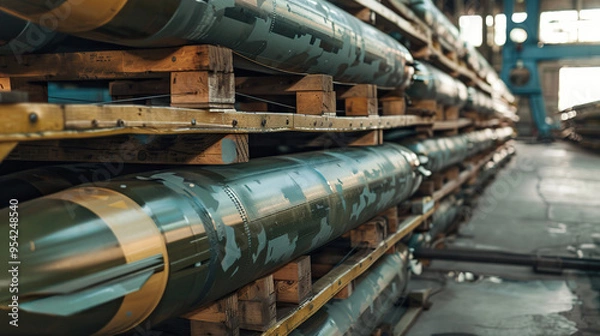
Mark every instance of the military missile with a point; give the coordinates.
(480, 102)
(299, 36)
(147, 247)
(19, 37)
(430, 83)
(33, 183)
(437, 154)
(362, 312)
(444, 216)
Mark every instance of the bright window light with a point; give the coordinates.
(519, 17)
(589, 25)
(577, 85)
(471, 29)
(559, 27)
(500, 30)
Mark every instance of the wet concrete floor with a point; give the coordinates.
(545, 201)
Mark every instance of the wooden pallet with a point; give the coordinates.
(254, 307)
(280, 302)
(439, 111)
(202, 125)
(438, 180)
(388, 17)
(453, 127)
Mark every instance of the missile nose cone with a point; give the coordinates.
(83, 252)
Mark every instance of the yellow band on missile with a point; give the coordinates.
(139, 239)
(75, 16)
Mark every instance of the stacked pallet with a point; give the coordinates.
(211, 105)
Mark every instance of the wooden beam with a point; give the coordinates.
(293, 282)
(258, 310)
(220, 318)
(117, 64)
(184, 149)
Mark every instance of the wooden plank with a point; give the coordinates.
(283, 85)
(5, 84)
(184, 149)
(73, 121)
(36, 92)
(451, 124)
(391, 217)
(427, 105)
(117, 64)
(258, 310)
(394, 103)
(361, 100)
(30, 118)
(293, 282)
(451, 113)
(142, 87)
(331, 284)
(220, 318)
(315, 102)
(372, 138)
(202, 89)
(346, 292)
(414, 29)
(370, 234)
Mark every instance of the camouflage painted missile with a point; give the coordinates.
(437, 154)
(362, 312)
(430, 83)
(147, 247)
(299, 36)
(445, 215)
(19, 37)
(33, 183)
(480, 102)
(442, 28)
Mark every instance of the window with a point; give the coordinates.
(519, 17)
(500, 30)
(589, 25)
(570, 26)
(471, 29)
(559, 27)
(577, 85)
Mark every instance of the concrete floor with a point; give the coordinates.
(545, 201)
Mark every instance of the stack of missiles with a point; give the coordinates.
(294, 36)
(103, 258)
(581, 124)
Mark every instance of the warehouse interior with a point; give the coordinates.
(300, 167)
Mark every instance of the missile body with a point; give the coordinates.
(19, 37)
(441, 26)
(433, 84)
(147, 247)
(480, 102)
(445, 215)
(362, 312)
(34, 183)
(439, 153)
(299, 36)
